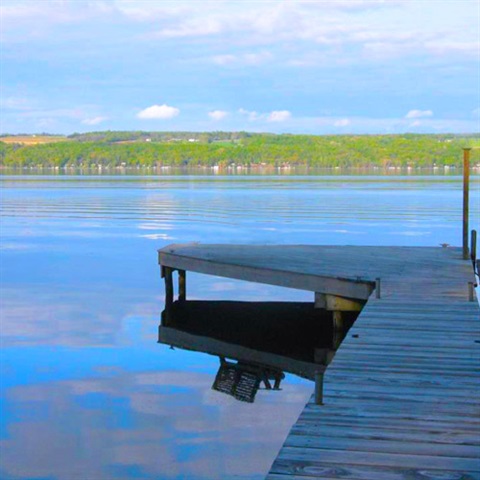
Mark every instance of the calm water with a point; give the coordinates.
(86, 391)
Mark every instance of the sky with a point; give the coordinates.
(316, 67)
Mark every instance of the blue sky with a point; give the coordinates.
(339, 66)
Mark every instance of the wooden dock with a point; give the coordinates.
(402, 395)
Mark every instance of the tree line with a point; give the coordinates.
(113, 149)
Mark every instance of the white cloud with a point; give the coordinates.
(279, 116)
(223, 59)
(416, 123)
(194, 27)
(148, 10)
(78, 113)
(94, 120)
(15, 103)
(441, 47)
(476, 112)
(251, 114)
(158, 112)
(419, 114)
(258, 58)
(217, 114)
(275, 116)
(364, 4)
(344, 122)
(39, 15)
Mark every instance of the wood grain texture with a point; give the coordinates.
(402, 394)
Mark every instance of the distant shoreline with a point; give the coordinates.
(227, 151)
(234, 170)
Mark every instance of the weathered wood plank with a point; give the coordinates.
(409, 413)
(314, 456)
(404, 435)
(409, 379)
(402, 393)
(398, 446)
(448, 394)
(434, 351)
(301, 469)
(414, 422)
(290, 279)
(387, 404)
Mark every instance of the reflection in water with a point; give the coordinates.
(265, 339)
(85, 391)
(242, 380)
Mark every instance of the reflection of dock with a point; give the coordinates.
(402, 394)
(264, 338)
(283, 336)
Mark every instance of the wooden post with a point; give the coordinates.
(320, 300)
(337, 320)
(182, 285)
(471, 295)
(378, 286)
(168, 274)
(466, 178)
(318, 388)
(473, 246)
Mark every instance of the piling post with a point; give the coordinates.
(471, 296)
(182, 285)
(473, 246)
(337, 320)
(168, 274)
(378, 288)
(466, 179)
(318, 388)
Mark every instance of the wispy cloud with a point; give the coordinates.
(15, 103)
(343, 122)
(331, 23)
(258, 58)
(259, 53)
(419, 114)
(250, 114)
(276, 116)
(442, 47)
(193, 27)
(158, 112)
(217, 114)
(94, 120)
(279, 116)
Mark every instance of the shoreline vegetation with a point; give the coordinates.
(233, 151)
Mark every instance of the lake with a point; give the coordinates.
(86, 390)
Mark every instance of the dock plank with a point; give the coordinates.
(402, 394)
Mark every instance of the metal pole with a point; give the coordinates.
(466, 177)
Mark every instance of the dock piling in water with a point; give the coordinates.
(466, 186)
(318, 388)
(169, 292)
(378, 288)
(473, 246)
(471, 292)
(182, 285)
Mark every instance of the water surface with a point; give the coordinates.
(86, 391)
